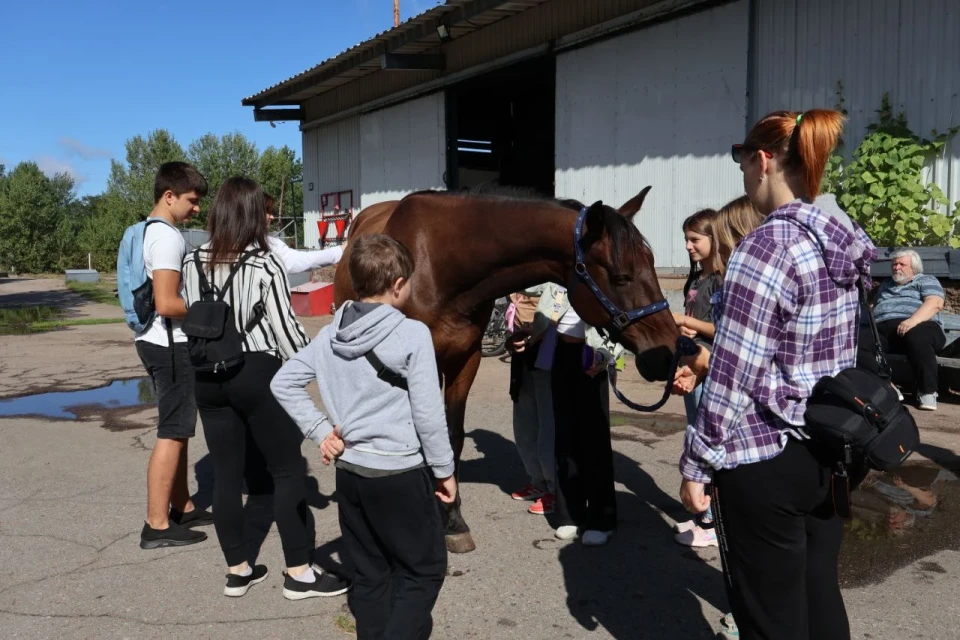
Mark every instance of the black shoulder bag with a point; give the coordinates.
(213, 340)
(857, 419)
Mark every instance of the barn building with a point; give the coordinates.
(595, 99)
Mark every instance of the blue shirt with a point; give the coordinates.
(899, 302)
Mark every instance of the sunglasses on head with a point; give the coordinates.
(738, 150)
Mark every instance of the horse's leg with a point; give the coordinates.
(458, 378)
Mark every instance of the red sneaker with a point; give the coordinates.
(529, 492)
(543, 506)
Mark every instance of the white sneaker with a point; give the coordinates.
(688, 525)
(928, 401)
(594, 538)
(566, 532)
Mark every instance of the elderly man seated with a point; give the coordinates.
(907, 310)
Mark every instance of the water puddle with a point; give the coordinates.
(134, 394)
(899, 518)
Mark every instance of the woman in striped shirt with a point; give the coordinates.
(788, 316)
(231, 400)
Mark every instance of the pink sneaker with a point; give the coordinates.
(698, 537)
(543, 506)
(529, 492)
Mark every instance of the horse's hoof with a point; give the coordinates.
(460, 543)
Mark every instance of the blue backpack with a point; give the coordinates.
(134, 288)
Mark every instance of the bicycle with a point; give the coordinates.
(495, 336)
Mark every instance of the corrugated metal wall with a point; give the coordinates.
(657, 107)
(909, 48)
(402, 149)
(331, 162)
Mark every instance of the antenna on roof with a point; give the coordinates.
(396, 13)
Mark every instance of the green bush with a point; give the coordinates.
(883, 189)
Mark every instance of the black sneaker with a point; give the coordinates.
(172, 536)
(239, 585)
(196, 518)
(324, 585)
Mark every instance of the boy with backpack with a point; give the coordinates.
(149, 287)
(387, 432)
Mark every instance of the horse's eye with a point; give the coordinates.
(620, 280)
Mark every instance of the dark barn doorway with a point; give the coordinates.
(500, 128)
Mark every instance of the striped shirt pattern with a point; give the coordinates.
(261, 278)
(783, 324)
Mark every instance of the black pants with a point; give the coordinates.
(255, 474)
(920, 345)
(779, 542)
(393, 536)
(230, 404)
(585, 495)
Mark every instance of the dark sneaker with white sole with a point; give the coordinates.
(196, 518)
(238, 586)
(324, 585)
(173, 536)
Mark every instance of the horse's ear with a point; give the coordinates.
(595, 222)
(631, 208)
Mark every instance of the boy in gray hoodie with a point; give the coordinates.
(386, 430)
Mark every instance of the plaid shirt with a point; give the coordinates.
(788, 316)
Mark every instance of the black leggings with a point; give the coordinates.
(779, 543)
(586, 496)
(229, 405)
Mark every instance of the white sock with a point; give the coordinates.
(246, 573)
(307, 576)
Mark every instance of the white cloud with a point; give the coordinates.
(80, 150)
(52, 166)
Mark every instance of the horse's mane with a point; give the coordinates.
(624, 235)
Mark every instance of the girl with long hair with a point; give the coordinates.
(232, 400)
(787, 316)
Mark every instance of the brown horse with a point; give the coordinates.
(470, 249)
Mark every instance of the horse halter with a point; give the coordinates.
(620, 320)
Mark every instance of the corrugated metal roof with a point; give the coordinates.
(416, 35)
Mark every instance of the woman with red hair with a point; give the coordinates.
(788, 315)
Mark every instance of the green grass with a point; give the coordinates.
(345, 623)
(95, 292)
(26, 320)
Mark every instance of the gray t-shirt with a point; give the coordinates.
(899, 302)
(697, 302)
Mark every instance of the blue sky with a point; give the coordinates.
(80, 77)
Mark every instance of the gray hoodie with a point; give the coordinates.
(383, 426)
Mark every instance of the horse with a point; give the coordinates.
(471, 248)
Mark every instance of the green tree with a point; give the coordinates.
(281, 167)
(31, 207)
(129, 194)
(281, 174)
(224, 157)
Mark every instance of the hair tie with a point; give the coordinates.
(799, 115)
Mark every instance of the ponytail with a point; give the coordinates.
(804, 141)
(815, 137)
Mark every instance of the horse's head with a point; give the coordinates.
(620, 261)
